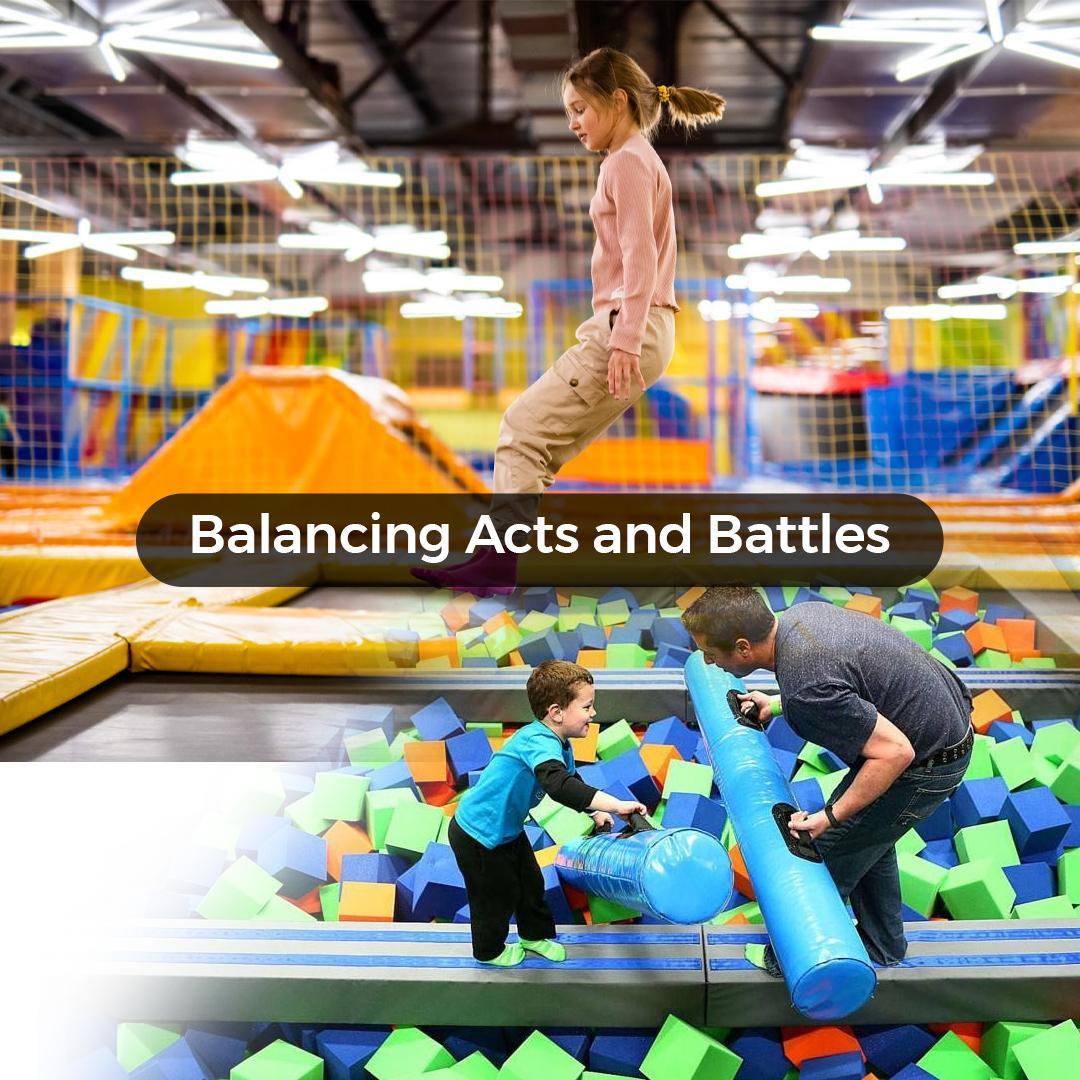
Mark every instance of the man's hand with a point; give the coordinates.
(624, 369)
(602, 821)
(762, 702)
(624, 808)
(803, 825)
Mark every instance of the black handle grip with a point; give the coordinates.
(636, 823)
(746, 712)
(804, 848)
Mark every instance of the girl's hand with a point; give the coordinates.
(623, 371)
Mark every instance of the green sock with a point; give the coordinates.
(547, 948)
(511, 956)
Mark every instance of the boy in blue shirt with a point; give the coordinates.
(487, 834)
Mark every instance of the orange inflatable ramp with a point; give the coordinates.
(305, 430)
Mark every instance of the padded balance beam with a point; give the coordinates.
(954, 971)
(620, 976)
(631, 976)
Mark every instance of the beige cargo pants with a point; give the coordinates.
(570, 405)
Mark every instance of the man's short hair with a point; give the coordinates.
(555, 682)
(725, 613)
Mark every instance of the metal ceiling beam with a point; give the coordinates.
(325, 96)
(487, 31)
(58, 116)
(361, 14)
(722, 16)
(398, 52)
(810, 63)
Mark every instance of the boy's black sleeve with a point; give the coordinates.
(563, 786)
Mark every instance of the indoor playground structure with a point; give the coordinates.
(280, 247)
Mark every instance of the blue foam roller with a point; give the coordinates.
(824, 962)
(680, 875)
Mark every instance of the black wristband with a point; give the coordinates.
(829, 814)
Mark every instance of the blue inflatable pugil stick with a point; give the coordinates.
(824, 962)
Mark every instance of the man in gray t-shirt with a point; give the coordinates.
(850, 683)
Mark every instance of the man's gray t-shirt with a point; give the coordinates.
(838, 669)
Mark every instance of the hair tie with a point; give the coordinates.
(664, 92)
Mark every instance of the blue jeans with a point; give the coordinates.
(860, 852)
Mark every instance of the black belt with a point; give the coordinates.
(949, 754)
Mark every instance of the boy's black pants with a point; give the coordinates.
(501, 882)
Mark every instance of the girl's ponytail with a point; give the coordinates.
(689, 107)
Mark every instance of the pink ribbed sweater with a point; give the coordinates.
(633, 263)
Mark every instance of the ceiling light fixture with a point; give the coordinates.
(120, 245)
(217, 284)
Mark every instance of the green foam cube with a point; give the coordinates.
(992, 841)
(920, 882)
(405, 1052)
(627, 655)
(537, 1057)
(579, 602)
(536, 622)
(473, 1067)
(340, 796)
(279, 1061)
(329, 898)
(437, 600)
(572, 618)
(136, 1043)
(469, 635)
(615, 739)
(503, 641)
(922, 633)
(368, 748)
(608, 911)
(688, 776)
(681, 1052)
(278, 909)
(808, 771)
(545, 810)
(999, 1042)
(835, 594)
(397, 747)
(1050, 907)
(941, 658)
(303, 815)
(980, 766)
(261, 795)
(1011, 761)
(413, 825)
(1037, 662)
(993, 658)
(239, 893)
(1055, 742)
(950, 1058)
(1068, 869)
(829, 782)
(911, 842)
(978, 890)
(1045, 772)
(922, 585)
(491, 728)
(1045, 1056)
(379, 810)
(1066, 782)
(566, 824)
(613, 613)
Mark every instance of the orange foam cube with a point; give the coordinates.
(986, 708)
(546, 856)
(592, 658)
(309, 902)
(658, 757)
(689, 596)
(869, 605)
(1016, 655)
(434, 648)
(585, 747)
(456, 613)
(970, 1033)
(366, 901)
(438, 794)
(516, 659)
(738, 919)
(496, 744)
(985, 636)
(958, 598)
(578, 900)
(738, 870)
(426, 760)
(801, 1044)
(1019, 634)
(502, 618)
(344, 839)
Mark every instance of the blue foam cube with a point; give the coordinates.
(847, 1066)
(218, 1046)
(438, 720)
(1072, 837)
(1032, 881)
(626, 635)
(592, 637)
(368, 717)
(787, 761)
(1002, 611)
(889, 1049)
(345, 1052)
(671, 731)
(296, 858)
(667, 656)
(372, 867)
(489, 1041)
(486, 609)
(480, 662)
(1037, 820)
(255, 831)
(468, 752)
(670, 631)
(939, 825)
(976, 802)
(630, 769)
(684, 810)
(438, 888)
(394, 775)
(782, 735)
(538, 599)
(619, 593)
(941, 852)
(776, 597)
(1003, 731)
(956, 620)
(956, 647)
(101, 1064)
(554, 895)
(574, 1041)
(176, 1062)
(762, 1054)
(808, 795)
(619, 1053)
(595, 774)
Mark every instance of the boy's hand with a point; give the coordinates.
(602, 821)
(762, 703)
(624, 808)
